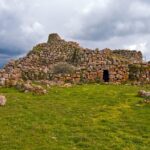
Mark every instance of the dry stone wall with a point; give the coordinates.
(139, 72)
(133, 56)
(90, 65)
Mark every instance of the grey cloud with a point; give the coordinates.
(27, 22)
(96, 23)
(130, 43)
(106, 24)
(118, 18)
(4, 58)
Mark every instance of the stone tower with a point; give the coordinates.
(54, 37)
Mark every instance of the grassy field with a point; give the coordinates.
(84, 117)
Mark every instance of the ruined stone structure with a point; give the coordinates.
(87, 65)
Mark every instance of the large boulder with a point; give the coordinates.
(2, 100)
(146, 101)
(29, 87)
(39, 90)
(143, 93)
(67, 85)
(2, 81)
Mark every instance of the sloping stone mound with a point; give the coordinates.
(89, 65)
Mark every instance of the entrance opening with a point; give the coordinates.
(106, 76)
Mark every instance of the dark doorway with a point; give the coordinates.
(106, 76)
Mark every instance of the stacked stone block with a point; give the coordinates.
(89, 64)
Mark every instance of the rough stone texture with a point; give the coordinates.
(143, 93)
(29, 87)
(89, 65)
(53, 38)
(146, 101)
(140, 72)
(2, 100)
(134, 56)
(67, 85)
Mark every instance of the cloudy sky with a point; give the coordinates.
(115, 24)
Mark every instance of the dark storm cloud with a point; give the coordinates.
(17, 31)
(27, 22)
(114, 24)
(114, 18)
(4, 58)
(8, 31)
(94, 23)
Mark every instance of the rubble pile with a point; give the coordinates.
(89, 65)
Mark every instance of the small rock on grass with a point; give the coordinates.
(143, 93)
(2, 100)
(67, 85)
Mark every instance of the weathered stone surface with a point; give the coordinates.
(29, 87)
(53, 38)
(134, 56)
(39, 90)
(89, 65)
(2, 100)
(2, 81)
(143, 93)
(147, 101)
(67, 85)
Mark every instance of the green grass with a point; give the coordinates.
(85, 117)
